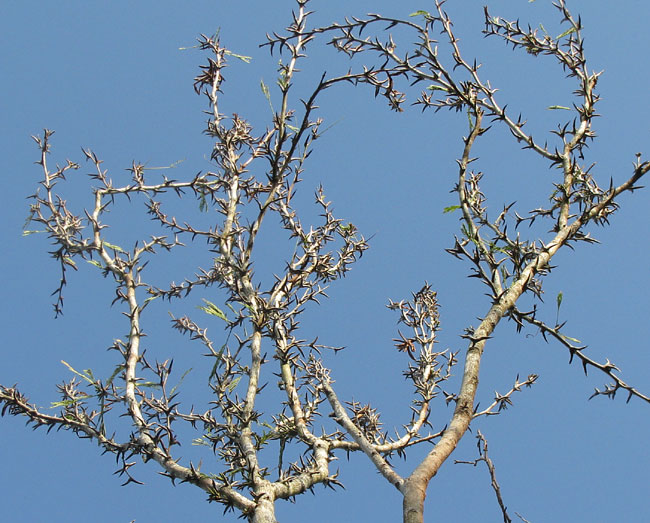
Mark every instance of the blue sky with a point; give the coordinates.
(111, 77)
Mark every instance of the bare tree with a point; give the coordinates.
(270, 395)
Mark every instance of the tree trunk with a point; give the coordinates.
(264, 512)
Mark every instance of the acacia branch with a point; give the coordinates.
(482, 445)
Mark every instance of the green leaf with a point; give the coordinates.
(434, 87)
(95, 263)
(148, 301)
(84, 376)
(265, 90)
(504, 273)
(421, 13)
(469, 119)
(283, 81)
(245, 59)
(559, 299)
(247, 306)
(555, 107)
(267, 94)
(261, 440)
(565, 33)
(27, 233)
(213, 310)
(150, 384)
(233, 384)
(180, 381)
(116, 248)
(451, 208)
(203, 203)
(66, 403)
(495, 248)
(69, 261)
(28, 220)
(117, 370)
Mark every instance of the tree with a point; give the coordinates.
(260, 310)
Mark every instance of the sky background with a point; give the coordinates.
(111, 77)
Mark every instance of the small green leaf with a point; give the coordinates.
(116, 248)
(95, 263)
(180, 381)
(213, 310)
(495, 248)
(84, 376)
(150, 384)
(67, 403)
(559, 302)
(451, 208)
(283, 82)
(555, 107)
(245, 59)
(203, 203)
(265, 90)
(117, 370)
(565, 33)
(421, 13)
(28, 220)
(264, 438)
(27, 233)
(434, 87)
(147, 301)
(233, 384)
(469, 119)
(267, 94)
(69, 261)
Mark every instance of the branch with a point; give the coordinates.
(483, 453)
(608, 367)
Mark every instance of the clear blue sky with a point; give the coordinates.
(111, 77)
